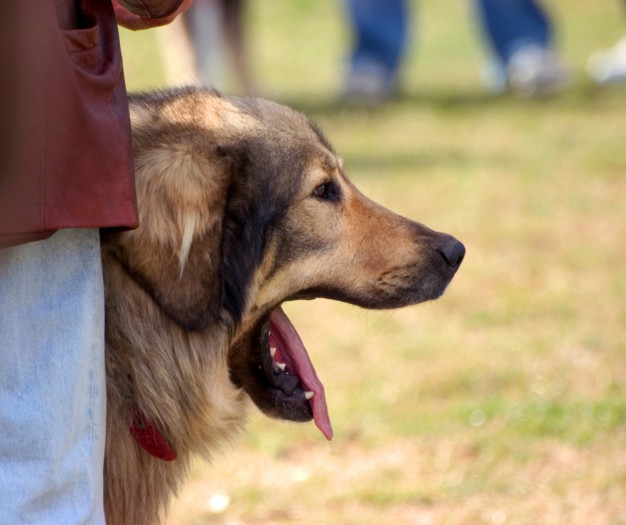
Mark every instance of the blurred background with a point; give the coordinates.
(505, 401)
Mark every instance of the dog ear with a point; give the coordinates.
(175, 254)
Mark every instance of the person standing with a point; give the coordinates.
(66, 170)
(519, 34)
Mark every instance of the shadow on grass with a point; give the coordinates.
(454, 100)
(328, 106)
(416, 163)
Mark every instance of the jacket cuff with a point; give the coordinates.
(144, 14)
(151, 8)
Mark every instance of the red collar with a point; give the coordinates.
(150, 438)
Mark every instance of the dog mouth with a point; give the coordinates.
(279, 376)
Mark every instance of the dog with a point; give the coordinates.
(243, 205)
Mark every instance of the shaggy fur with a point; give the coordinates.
(243, 205)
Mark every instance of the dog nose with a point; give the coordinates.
(452, 251)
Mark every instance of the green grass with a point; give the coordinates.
(505, 401)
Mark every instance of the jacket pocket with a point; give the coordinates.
(82, 45)
(93, 48)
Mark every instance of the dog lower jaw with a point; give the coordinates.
(291, 352)
(271, 364)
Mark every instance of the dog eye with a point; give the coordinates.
(328, 191)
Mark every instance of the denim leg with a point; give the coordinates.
(380, 34)
(512, 24)
(52, 382)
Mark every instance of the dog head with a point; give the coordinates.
(245, 205)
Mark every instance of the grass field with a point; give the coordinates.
(505, 401)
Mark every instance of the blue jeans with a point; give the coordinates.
(509, 25)
(52, 382)
(381, 30)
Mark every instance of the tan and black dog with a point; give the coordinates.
(243, 205)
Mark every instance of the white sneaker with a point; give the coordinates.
(368, 85)
(535, 72)
(609, 66)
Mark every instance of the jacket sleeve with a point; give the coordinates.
(144, 14)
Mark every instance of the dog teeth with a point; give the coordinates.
(272, 351)
(309, 394)
(282, 366)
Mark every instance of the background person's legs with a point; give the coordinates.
(380, 34)
(521, 38)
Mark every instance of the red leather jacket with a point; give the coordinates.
(65, 142)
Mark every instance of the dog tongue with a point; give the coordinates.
(293, 351)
